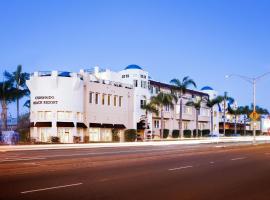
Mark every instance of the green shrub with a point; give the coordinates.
(205, 132)
(86, 139)
(55, 139)
(130, 135)
(166, 133)
(187, 133)
(76, 139)
(115, 135)
(175, 133)
(194, 133)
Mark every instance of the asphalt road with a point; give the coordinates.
(161, 172)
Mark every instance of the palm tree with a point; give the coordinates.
(162, 100)
(150, 108)
(181, 87)
(197, 104)
(7, 95)
(226, 99)
(19, 80)
(211, 103)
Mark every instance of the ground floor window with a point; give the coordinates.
(64, 135)
(44, 134)
(94, 134)
(100, 134)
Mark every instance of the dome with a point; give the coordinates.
(133, 67)
(207, 88)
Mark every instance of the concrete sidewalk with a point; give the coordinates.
(216, 140)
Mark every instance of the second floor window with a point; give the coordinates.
(96, 99)
(90, 97)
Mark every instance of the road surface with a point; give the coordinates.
(207, 171)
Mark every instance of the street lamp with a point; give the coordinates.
(253, 81)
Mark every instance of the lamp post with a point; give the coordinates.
(253, 81)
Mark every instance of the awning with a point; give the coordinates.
(65, 124)
(43, 124)
(119, 126)
(94, 125)
(81, 125)
(107, 126)
(32, 124)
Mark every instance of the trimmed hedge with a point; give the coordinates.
(166, 133)
(205, 132)
(175, 133)
(194, 133)
(187, 133)
(130, 135)
(115, 135)
(55, 139)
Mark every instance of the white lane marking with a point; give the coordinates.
(220, 146)
(212, 162)
(240, 158)
(267, 153)
(21, 159)
(50, 188)
(179, 168)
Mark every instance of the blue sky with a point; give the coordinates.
(205, 39)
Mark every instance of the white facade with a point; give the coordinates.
(89, 105)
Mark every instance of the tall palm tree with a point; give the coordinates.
(150, 108)
(19, 79)
(197, 104)
(162, 100)
(7, 95)
(181, 87)
(226, 99)
(211, 103)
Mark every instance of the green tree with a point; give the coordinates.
(197, 104)
(211, 103)
(7, 95)
(226, 99)
(150, 108)
(181, 87)
(18, 78)
(162, 100)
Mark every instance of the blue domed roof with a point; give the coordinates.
(133, 67)
(207, 88)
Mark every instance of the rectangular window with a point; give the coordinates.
(96, 99)
(143, 103)
(114, 100)
(156, 123)
(103, 99)
(167, 108)
(135, 83)
(60, 115)
(90, 97)
(120, 101)
(48, 115)
(123, 76)
(127, 75)
(40, 115)
(109, 99)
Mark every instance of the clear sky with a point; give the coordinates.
(204, 39)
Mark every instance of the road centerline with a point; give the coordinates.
(239, 158)
(51, 188)
(179, 168)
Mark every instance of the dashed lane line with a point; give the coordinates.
(51, 188)
(179, 168)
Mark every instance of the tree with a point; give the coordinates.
(226, 99)
(162, 100)
(7, 95)
(150, 108)
(18, 78)
(181, 87)
(211, 103)
(197, 104)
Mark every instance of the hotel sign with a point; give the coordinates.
(44, 100)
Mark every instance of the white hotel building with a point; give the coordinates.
(87, 106)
